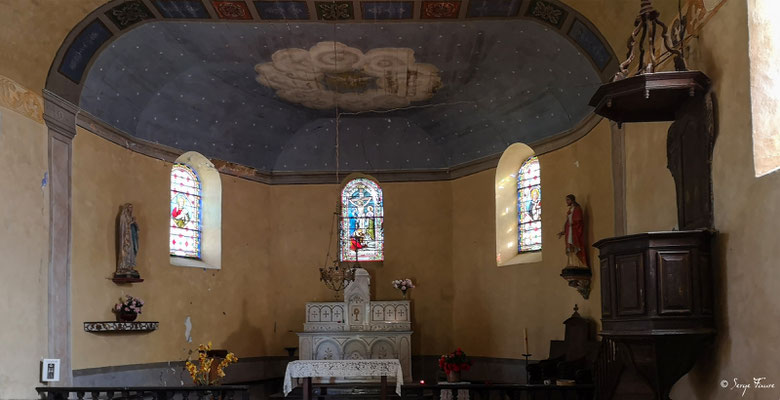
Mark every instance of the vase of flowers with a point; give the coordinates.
(128, 310)
(452, 364)
(210, 367)
(403, 285)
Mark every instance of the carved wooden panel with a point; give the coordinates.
(675, 287)
(630, 284)
(606, 289)
(705, 279)
(689, 146)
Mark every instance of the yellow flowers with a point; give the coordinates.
(210, 368)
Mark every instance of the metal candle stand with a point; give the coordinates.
(527, 375)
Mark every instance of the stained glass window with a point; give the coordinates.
(186, 212)
(362, 216)
(529, 207)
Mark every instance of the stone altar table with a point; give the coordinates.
(358, 328)
(309, 369)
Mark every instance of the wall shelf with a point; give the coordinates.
(114, 326)
(123, 280)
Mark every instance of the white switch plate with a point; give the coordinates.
(50, 370)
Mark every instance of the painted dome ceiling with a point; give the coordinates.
(403, 95)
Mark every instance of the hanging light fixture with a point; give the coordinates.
(337, 277)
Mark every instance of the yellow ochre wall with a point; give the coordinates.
(492, 305)
(274, 239)
(440, 234)
(269, 267)
(24, 241)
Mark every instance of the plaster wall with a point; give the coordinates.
(225, 306)
(274, 240)
(492, 305)
(650, 195)
(745, 214)
(24, 246)
(275, 237)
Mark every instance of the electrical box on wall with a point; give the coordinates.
(50, 370)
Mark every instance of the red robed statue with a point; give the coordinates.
(574, 231)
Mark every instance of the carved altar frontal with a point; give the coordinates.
(358, 328)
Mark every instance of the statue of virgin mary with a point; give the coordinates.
(128, 243)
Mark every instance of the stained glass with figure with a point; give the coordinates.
(362, 216)
(529, 207)
(186, 231)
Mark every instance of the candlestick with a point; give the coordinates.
(525, 341)
(527, 374)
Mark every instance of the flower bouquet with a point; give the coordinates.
(211, 365)
(403, 285)
(452, 364)
(128, 309)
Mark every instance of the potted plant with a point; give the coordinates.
(128, 310)
(452, 364)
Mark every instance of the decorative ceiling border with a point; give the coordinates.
(170, 154)
(18, 98)
(107, 23)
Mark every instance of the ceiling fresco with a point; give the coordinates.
(332, 74)
(419, 87)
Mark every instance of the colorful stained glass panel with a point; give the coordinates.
(529, 207)
(362, 216)
(185, 212)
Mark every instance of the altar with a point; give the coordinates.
(358, 328)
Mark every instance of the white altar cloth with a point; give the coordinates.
(342, 369)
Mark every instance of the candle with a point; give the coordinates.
(525, 341)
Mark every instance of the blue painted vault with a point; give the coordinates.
(192, 85)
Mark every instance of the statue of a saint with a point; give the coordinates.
(574, 231)
(128, 243)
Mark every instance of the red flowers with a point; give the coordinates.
(455, 361)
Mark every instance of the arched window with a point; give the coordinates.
(518, 207)
(186, 230)
(529, 207)
(195, 217)
(361, 233)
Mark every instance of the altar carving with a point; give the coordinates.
(358, 328)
